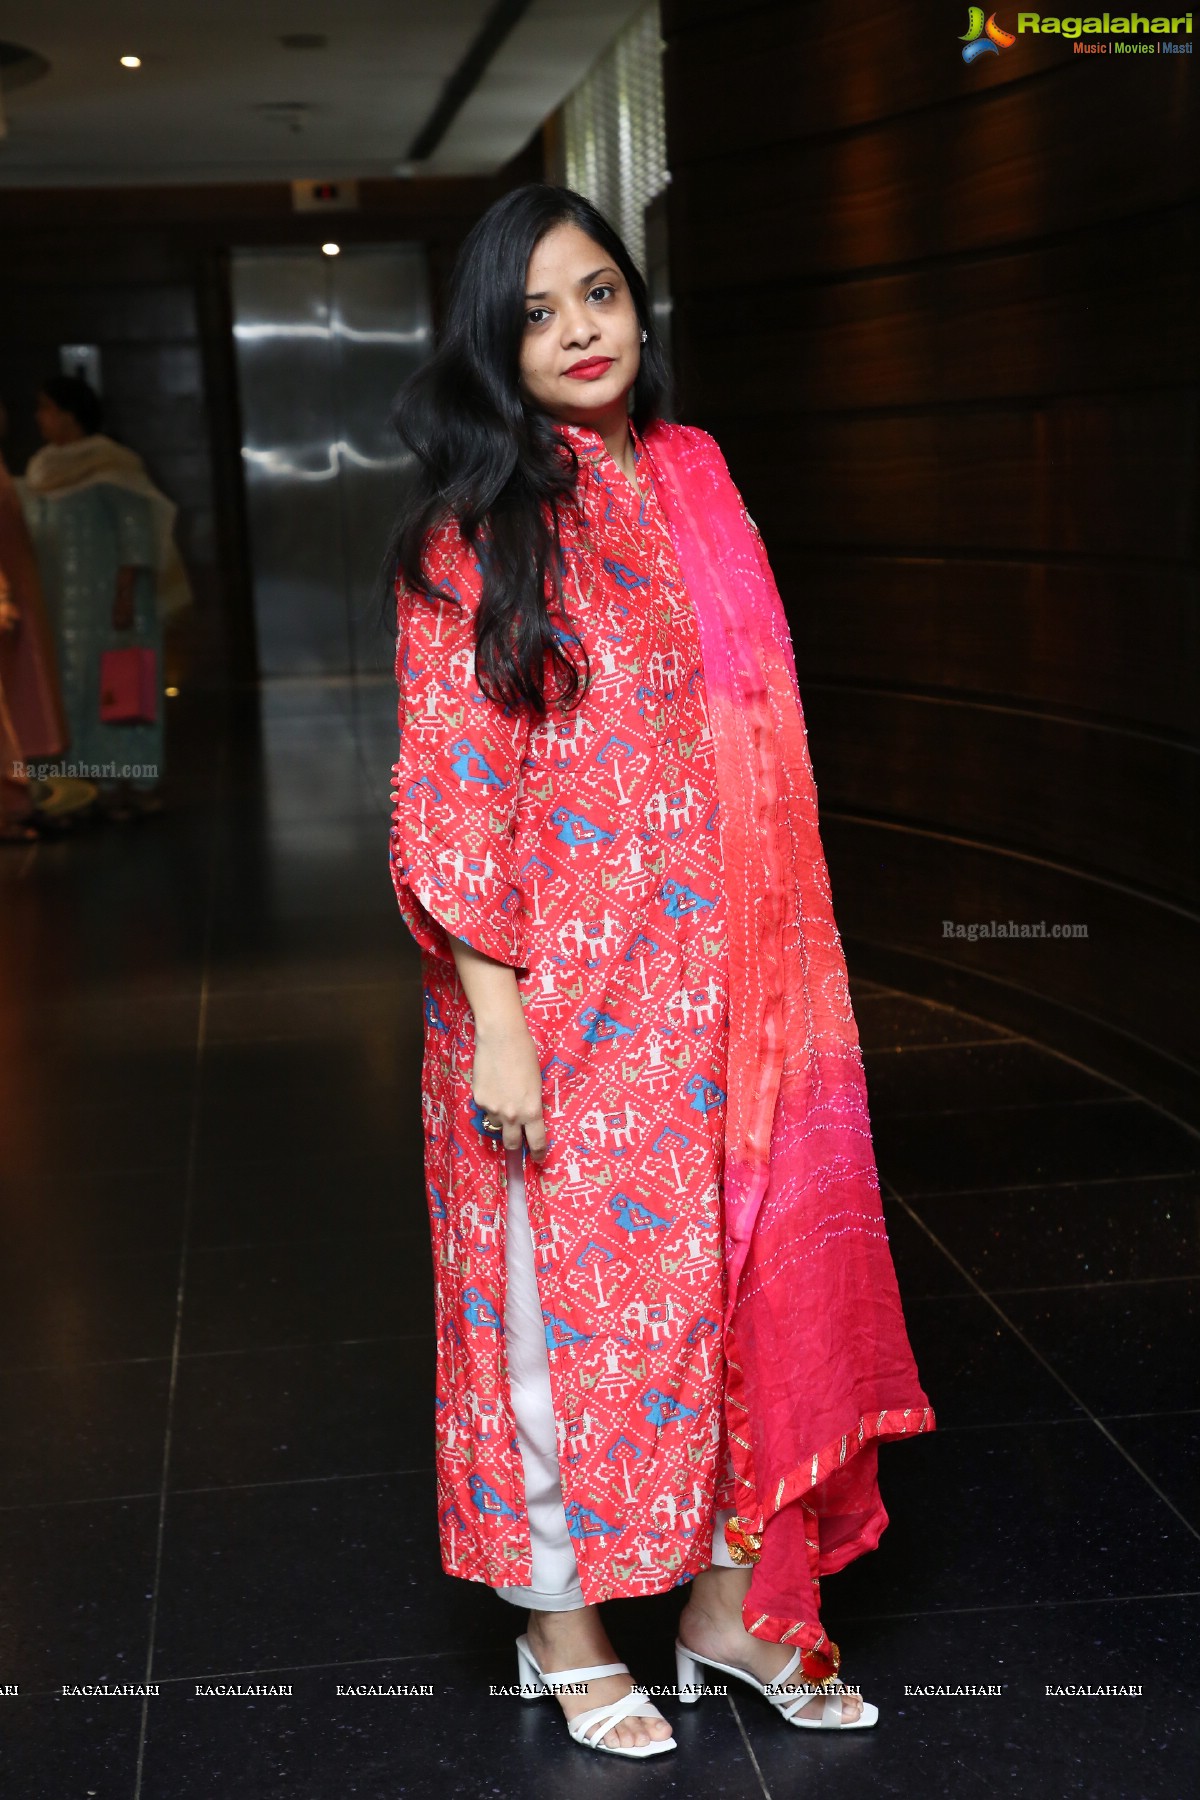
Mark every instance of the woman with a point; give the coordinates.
(669, 1336)
(16, 800)
(32, 726)
(111, 575)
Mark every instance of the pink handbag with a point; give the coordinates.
(128, 686)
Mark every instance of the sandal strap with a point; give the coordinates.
(831, 1711)
(790, 1708)
(629, 1704)
(787, 1669)
(568, 1677)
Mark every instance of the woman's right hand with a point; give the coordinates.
(506, 1081)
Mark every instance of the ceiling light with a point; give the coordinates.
(331, 249)
(131, 62)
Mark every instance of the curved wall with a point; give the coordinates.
(943, 321)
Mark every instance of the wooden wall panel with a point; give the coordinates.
(942, 320)
(1094, 474)
(1112, 640)
(994, 327)
(1048, 781)
(741, 78)
(1024, 160)
(1091, 997)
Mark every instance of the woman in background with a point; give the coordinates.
(32, 725)
(16, 801)
(669, 1334)
(111, 575)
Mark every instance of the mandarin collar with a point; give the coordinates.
(588, 442)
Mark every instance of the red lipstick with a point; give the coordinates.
(590, 369)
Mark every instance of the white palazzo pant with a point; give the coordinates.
(555, 1585)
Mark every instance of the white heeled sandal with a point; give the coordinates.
(589, 1727)
(784, 1700)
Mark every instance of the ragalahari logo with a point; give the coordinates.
(982, 39)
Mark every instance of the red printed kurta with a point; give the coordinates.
(583, 851)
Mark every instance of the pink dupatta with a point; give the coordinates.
(818, 1363)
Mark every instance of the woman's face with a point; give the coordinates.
(578, 312)
(56, 425)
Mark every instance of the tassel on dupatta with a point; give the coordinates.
(818, 1363)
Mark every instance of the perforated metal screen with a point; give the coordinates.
(613, 139)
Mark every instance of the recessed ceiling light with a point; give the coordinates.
(331, 249)
(131, 62)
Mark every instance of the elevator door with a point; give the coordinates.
(322, 344)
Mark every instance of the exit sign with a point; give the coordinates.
(324, 196)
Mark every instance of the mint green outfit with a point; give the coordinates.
(82, 539)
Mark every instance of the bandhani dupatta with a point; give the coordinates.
(818, 1364)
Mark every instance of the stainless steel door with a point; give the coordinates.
(323, 343)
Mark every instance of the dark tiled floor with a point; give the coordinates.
(216, 1355)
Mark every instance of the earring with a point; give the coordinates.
(645, 335)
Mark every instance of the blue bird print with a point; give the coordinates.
(705, 1094)
(633, 1216)
(662, 1409)
(680, 900)
(582, 1522)
(486, 1500)
(479, 1309)
(600, 1027)
(575, 830)
(559, 1333)
(628, 578)
(469, 765)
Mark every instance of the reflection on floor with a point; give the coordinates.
(216, 1354)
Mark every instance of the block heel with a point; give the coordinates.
(689, 1679)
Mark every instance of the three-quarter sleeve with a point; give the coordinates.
(456, 781)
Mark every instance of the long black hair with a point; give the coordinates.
(490, 458)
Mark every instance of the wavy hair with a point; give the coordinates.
(491, 459)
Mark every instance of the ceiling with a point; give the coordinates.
(219, 98)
